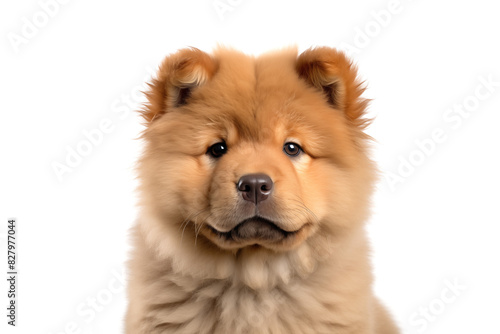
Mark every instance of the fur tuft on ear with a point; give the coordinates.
(331, 72)
(177, 76)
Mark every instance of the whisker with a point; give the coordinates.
(306, 212)
(302, 204)
(189, 219)
(197, 230)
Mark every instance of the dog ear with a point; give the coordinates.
(178, 75)
(331, 72)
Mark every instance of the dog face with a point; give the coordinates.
(256, 152)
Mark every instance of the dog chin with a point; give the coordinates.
(257, 232)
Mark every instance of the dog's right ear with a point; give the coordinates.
(178, 75)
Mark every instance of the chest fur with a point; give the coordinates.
(224, 307)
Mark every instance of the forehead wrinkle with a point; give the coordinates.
(238, 122)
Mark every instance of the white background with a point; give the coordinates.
(86, 61)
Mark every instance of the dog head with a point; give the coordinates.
(266, 152)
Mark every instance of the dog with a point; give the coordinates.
(255, 184)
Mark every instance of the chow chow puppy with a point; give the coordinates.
(255, 185)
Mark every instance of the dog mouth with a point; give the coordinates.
(255, 229)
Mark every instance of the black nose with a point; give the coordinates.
(255, 187)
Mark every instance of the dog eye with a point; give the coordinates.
(217, 150)
(292, 149)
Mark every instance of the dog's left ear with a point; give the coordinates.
(331, 72)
